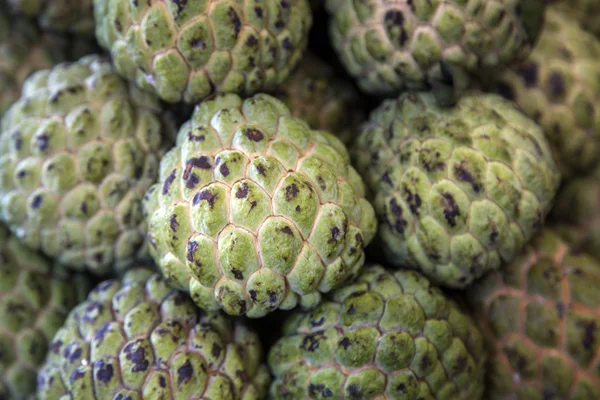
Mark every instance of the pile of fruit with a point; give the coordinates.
(294, 199)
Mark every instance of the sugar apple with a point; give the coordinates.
(586, 12)
(35, 298)
(77, 153)
(188, 50)
(391, 46)
(386, 336)
(460, 190)
(254, 211)
(540, 316)
(314, 93)
(559, 88)
(74, 16)
(140, 339)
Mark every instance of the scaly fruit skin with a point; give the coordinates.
(254, 211)
(315, 94)
(72, 16)
(585, 12)
(458, 191)
(392, 46)
(35, 299)
(141, 339)
(540, 315)
(386, 336)
(187, 51)
(559, 88)
(77, 153)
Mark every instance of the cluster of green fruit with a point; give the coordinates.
(201, 165)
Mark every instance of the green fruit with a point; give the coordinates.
(254, 211)
(35, 299)
(540, 316)
(392, 46)
(189, 50)
(77, 153)
(458, 191)
(326, 102)
(386, 336)
(140, 339)
(74, 16)
(559, 87)
(586, 12)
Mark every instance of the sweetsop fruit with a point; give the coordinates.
(188, 50)
(140, 339)
(540, 316)
(315, 94)
(72, 16)
(77, 153)
(586, 12)
(391, 46)
(254, 211)
(35, 298)
(458, 191)
(389, 335)
(559, 88)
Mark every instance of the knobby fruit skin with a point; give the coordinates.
(65, 16)
(389, 335)
(140, 339)
(585, 12)
(35, 299)
(458, 191)
(77, 153)
(254, 211)
(187, 51)
(558, 86)
(540, 316)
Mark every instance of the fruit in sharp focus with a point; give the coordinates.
(540, 316)
(559, 87)
(254, 211)
(186, 51)
(386, 336)
(458, 191)
(77, 153)
(391, 46)
(315, 94)
(74, 16)
(585, 12)
(140, 339)
(35, 299)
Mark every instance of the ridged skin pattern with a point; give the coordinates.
(458, 191)
(559, 88)
(389, 46)
(541, 317)
(586, 12)
(73, 16)
(188, 50)
(140, 339)
(315, 94)
(254, 211)
(35, 299)
(388, 336)
(77, 153)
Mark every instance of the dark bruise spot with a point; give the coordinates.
(162, 382)
(197, 43)
(16, 136)
(137, 356)
(254, 134)
(557, 84)
(179, 299)
(185, 372)
(354, 392)
(395, 18)
(494, 235)
(36, 202)
(243, 307)
(251, 41)
(105, 372)
(55, 346)
(224, 170)
(400, 223)
(194, 138)
(401, 388)
(311, 342)
(168, 182)
(118, 25)
(192, 182)
(589, 328)
(505, 90)
(197, 162)
(235, 21)
(425, 362)
(191, 249)
(237, 274)
(345, 343)
(205, 195)
(287, 44)
(287, 230)
(21, 174)
(451, 210)
(76, 375)
(173, 223)
(100, 333)
(529, 74)
(84, 208)
(386, 178)
(335, 233)
(461, 363)
(253, 295)
(291, 192)
(242, 191)
(216, 350)
(413, 200)
(464, 175)
(72, 353)
(351, 310)
(273, 297)
(318, 322)
(261, 169)
(258, 12)
(42, 141)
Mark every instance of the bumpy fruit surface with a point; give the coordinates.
(77, 153)
(186, 51)
(391, 46)
(559, 88)
(585, 12)
(141, 339)
(386, 336)
(540, 315)
(255, 211)
(75, 16)
(35, 299)
(458, 191)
